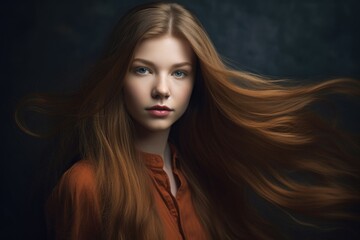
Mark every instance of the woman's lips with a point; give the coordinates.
(159, 111)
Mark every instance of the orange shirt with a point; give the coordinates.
(70, 218)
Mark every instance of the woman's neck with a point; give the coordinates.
(152, 141)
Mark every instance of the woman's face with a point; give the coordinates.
(159, 82)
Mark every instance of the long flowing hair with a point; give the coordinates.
(241, 131)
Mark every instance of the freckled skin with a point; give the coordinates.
(155, 77)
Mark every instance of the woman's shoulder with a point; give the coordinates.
(80, 176)
(82, 169)
(73, 210)
(76, 187)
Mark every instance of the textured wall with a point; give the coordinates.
(47, 46)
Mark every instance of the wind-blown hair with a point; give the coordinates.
(241, 131)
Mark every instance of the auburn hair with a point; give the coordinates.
(240, 132)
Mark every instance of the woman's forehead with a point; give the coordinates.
(165, 49)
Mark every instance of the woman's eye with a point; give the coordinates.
(142, 70)
(179, 74)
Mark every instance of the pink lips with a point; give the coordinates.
(159, 111)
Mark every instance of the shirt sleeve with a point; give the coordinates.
(72, 209)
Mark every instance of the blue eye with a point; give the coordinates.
(142, 70)
(179, 74)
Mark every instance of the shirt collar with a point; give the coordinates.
(153, 160)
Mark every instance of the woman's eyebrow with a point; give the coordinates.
(153, 65)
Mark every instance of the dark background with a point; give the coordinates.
(48, 45)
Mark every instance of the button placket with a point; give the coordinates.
(162, 184)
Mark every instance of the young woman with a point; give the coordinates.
(171, 141)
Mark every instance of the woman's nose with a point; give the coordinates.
(161, 88)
